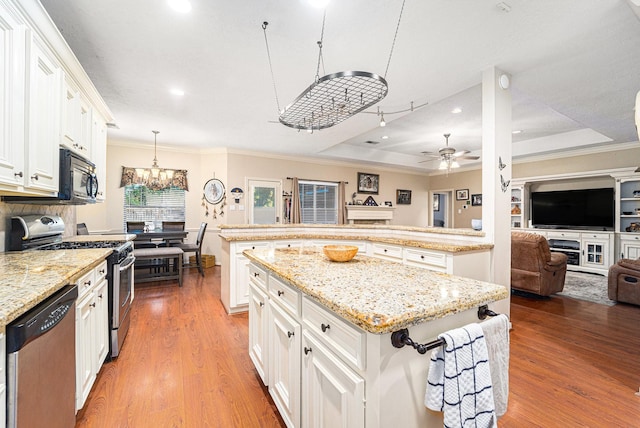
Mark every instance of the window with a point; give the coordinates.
(143, 204)
(319, 202)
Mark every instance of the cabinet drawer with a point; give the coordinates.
(346, 340)
(426, 258)
(293, 243)
(387, 251)
(101, 271)
(258, 276)
(287, 296)
(241, 246)
(563, 235)
(630, 238)
(85, 282)
(595, 235)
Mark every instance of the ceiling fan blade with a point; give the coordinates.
(469, 157)
(460, 153)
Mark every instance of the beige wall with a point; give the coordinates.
(234, 169)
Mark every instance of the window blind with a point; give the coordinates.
(143, 204)
(319, 202)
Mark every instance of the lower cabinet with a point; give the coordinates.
(3, 378)
(258, 333)
(284, 363)
(332, 393)
(629, 246)
(92, 330)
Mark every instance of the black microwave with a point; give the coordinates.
(78, 183)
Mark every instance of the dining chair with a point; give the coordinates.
(81, 229)
(170, 226)
(195, 248)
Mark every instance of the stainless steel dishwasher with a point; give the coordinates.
(41, 364)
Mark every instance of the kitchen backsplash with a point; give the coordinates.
(68, 214)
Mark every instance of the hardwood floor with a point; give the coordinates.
(185, 364)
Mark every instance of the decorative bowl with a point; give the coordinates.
(340, 253)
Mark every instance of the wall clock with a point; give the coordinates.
(213, 191)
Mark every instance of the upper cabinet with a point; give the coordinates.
(12, 84)
(47, 101)
(44, 89)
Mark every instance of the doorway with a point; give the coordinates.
(265, 204)
(441, 212)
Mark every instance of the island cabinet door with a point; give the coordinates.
(258, 333)
(284, 364)
(332, 393)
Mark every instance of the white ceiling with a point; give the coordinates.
(575, 67)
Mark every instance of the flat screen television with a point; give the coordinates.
(574, 209)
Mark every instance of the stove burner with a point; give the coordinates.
(74, 245)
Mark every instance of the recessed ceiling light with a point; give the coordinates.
(182, 6)
(318, 3)
(385, 137)
(177, 92)
(517, 131)
(456, 110)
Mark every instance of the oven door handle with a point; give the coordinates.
(126, 266)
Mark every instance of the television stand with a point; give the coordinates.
(587, 251)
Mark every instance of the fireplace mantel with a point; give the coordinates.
(368, 214)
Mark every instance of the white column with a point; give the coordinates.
(496, 170)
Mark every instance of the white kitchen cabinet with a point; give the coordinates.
(284, 363)
(332, 393)
(92, 330)
(385, 251)
(44, 90)
(259, 322)
(3, 378)
(236, 298)
(517, 207)
(12, 82)
(99, 153)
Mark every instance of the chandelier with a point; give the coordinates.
(155, 178)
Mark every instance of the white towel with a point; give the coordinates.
(459, 380)
(496, 335)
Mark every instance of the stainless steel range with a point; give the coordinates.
(44, 232)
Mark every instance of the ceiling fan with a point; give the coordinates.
(449, 156)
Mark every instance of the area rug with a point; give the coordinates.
(586, 286)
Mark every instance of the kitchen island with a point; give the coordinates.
(320, 334)
(462, 252)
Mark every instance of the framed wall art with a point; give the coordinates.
(462, 194)
(403, 197)
(476, 200)
(368, 183)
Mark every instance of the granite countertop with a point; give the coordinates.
(440, 244)
(374, 294)
(29, 277)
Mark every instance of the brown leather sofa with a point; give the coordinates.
(534, 268)
(624, 281)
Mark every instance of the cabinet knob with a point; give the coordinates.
(325, 327)
(93, 305)
(306, 350)
(100, 296)
(422, 257)
(290, 334)
(256, 274)
(261, 304)
(34, 177)
(280, 292)
(102, 271)
(87, 282)
(385, 250)
(18, 174)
